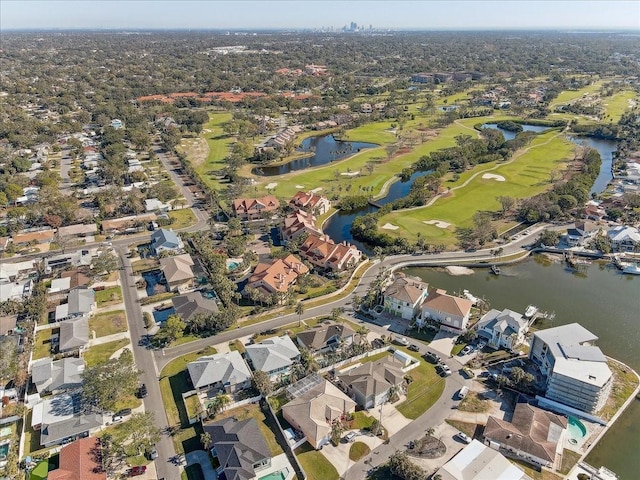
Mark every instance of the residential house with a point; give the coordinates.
(422, 78)
(117, 123)
(405, 296)
(443, 77)
(57, 376)
(191, 304)
(311, 202)
(74, 334)
(125, 223)
(274, 356)
(177, 270)
(255, 208)
(78, 278)
(39, 237)
(60, 285)
(314, 409)
(16, 290)
(8, 324)
(297, 223)
(240, 448)
(163, 240)
(155, 205)
(222, 372)
(324, 254)
(326, 336)
(503, 329)
(366, 108)
(532, 435)
(80, 460)
(623, 239)
(78, 258)
(581, 233)
(60, 418)
(451, 312)
(81, 301)
(277, 277)
(78, 230)
(371, 383)
(476, 461)
(576, 371)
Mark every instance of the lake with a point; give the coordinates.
(509, 135)
(602, 300)
(325, 148)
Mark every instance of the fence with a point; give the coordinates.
(230, 406)
(289, 449)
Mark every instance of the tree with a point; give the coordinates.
(105, 263)
(106, 383)
(172, 329)
(206, 440)
(336, 431)
(401, 466)
(218, 404)
(262, 383)
(299, 312)
(506, 202)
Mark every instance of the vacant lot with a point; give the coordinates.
(182, 218)
(101, 353)
(109, 296)
(108, 323)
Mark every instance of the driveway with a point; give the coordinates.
(445, 433)
(443, 342)
(202, 457)
(339, 456)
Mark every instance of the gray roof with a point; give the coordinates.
(79, 302)
(66, 374)
(273, 353)
(406, 289)
(74, 333)
(164, 238)
(192, 303)
(374, 378)
(62, 418)
(226, 368)
(506, 322)
(319, 336)
(567, 335)
(239, 445)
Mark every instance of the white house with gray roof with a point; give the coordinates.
(576, 370)
(58, 376)
(81, 301)
(222, 372)
(405, 296)
(503, 329)
(273, 356)
(74, 334)
(165, 240)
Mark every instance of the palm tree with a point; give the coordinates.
(206, 440)
(299, 312)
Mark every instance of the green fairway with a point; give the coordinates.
(527, 175)
(617, 104)
(218, 143)
(570, 95)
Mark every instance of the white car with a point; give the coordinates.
(466, 350)
(481, 344)
(463, 437)
(350, 437)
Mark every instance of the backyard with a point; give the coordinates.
(42, 347)
(316, 465)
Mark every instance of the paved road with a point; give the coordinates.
(145, 362)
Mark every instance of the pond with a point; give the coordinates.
(508, 135)
(605, 148)
(156, 283)
(325, 148)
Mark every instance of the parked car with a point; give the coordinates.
(481, 344)
(138, 470)
(466, 350)
(463, 437)
(116, 418)
(152, 454)
(443, 370)
(468, 372)
(350, 437)
(142, 392)
(432, 357)
(463, 392)
(413, 347)
(124, 412)
(401, 340)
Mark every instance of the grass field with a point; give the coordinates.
(101, 353)
(108, 323)
(182, 218)
(218, 144)
(424, 391)
(570, 95)
(617, 104)
(358, 450)
(109, 296)
(42, 348)
(316, 465)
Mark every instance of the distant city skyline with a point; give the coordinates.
(312, 14)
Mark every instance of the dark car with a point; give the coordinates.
(138, 470)
(124, 412)
(432, 358)
(443, 370)
(413, 347)
(142, 392)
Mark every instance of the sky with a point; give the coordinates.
(312, 14)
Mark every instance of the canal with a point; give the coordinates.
(602, 300)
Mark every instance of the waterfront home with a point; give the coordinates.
(80, 460)
(239, 447)
(405, 296)
(576, 371)
(222, 372)
(503, 329)
(326, 336)
(532, 435)
(624, 238)
(581, 233)
(163, 240)
(274, 356)
(326, 255)
(451, 312)
(298, 223)
(255, 208)
(316, 404)
(311, 202)
(479, 462)
(191, 304)
(277, 277)
(57, 376)
(372, 383)
(177, 270)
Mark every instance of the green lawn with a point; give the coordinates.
(267, 426)
(101, 353)
(144, 265)
(193, 405)
(182, 218)
(42, 348)
(361, 420)
(316, 465)
(424, 391)
(41, 471)
(618, 103)
(624, 384)
(464, 427)
(218, 144)
(569, 459)
(109, 296)
(570, 95)
(108, 323)
(358, 450)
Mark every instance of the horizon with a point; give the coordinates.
(312, 15)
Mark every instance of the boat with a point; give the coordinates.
(470, 297)
(633, 269)
(530, 311)
(495, 269)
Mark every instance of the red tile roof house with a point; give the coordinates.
(255, 208)
(311, 202)
(278, 276)
(451, 312)
(80, 460)
(325, 254)
(43, 236)
(297, 223)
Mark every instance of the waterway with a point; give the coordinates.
(509, 135)
(605, 148)
(325, 148)
(602, 300)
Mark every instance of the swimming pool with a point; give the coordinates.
(4, 450)
(156, 282)
(577, 430)
(161, 316)
(279, 475)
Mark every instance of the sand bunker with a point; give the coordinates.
(493, 176)
(299, 186)
(390, 226)
(437, 223)
(316, 190)
(272, 185)
(351, 174)
(452, 270)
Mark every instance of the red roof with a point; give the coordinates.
(80, 460)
